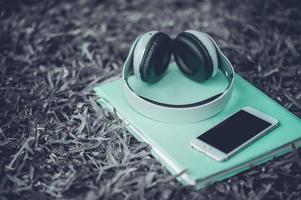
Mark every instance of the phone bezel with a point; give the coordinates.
(221, 156)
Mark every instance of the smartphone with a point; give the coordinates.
(234, 133)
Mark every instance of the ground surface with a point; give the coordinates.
(55, 142)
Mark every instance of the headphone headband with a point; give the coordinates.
(174, 113)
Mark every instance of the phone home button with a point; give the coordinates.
(206, 147)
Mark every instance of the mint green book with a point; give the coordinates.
(170, 143)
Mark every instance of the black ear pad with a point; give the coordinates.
(156, 57)
(192, 57)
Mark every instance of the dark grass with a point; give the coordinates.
(56, 143)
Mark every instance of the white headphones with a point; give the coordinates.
(197, 56)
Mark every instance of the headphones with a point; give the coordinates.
(198, 58)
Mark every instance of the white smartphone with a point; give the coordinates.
(234, 133)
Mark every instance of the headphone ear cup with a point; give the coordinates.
(155, 58)
(192, 57)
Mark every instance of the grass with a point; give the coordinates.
(56, 143)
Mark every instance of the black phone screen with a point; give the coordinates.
(234, 131)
